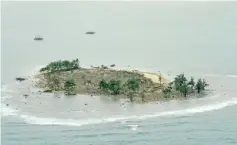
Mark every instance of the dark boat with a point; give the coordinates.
(38, 38)
(113, 65)
(20, 79)
(90, 33)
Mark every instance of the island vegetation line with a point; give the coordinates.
(69, 77)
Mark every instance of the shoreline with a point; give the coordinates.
(123, 83)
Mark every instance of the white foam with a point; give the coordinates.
(5, 88)
(200, 109)
(232, 76)
(5, 97)
(72, 122)
(7, 111)
(133, 127)
(221, 75)
(67, 122)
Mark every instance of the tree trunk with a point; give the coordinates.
(198, 91)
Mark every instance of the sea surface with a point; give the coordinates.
(197, 38)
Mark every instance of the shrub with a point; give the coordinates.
(69, 87)
(167, 90)
(103, 85)
(201, 85)
(61, 66)
(133, 84)
(114, 86)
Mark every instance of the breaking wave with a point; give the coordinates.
(31, 119)
(5, 88)
(7, 111)
(72, 122)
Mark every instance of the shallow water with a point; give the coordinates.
(170, 37)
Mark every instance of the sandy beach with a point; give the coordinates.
(150, 75)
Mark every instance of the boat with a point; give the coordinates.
(90, 32)
(38, 38)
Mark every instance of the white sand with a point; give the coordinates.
(153, 76)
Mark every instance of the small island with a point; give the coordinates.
(70, 78)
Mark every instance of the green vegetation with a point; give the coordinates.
(192, 84)
(113, 86)
(167, 90)
(103, 85)
(201, 85)
(185, 87)
(61, 66)
(69, 87)
(137, 87)
(133, 85)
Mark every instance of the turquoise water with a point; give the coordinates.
(197, 38)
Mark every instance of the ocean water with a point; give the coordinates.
(197, 38)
